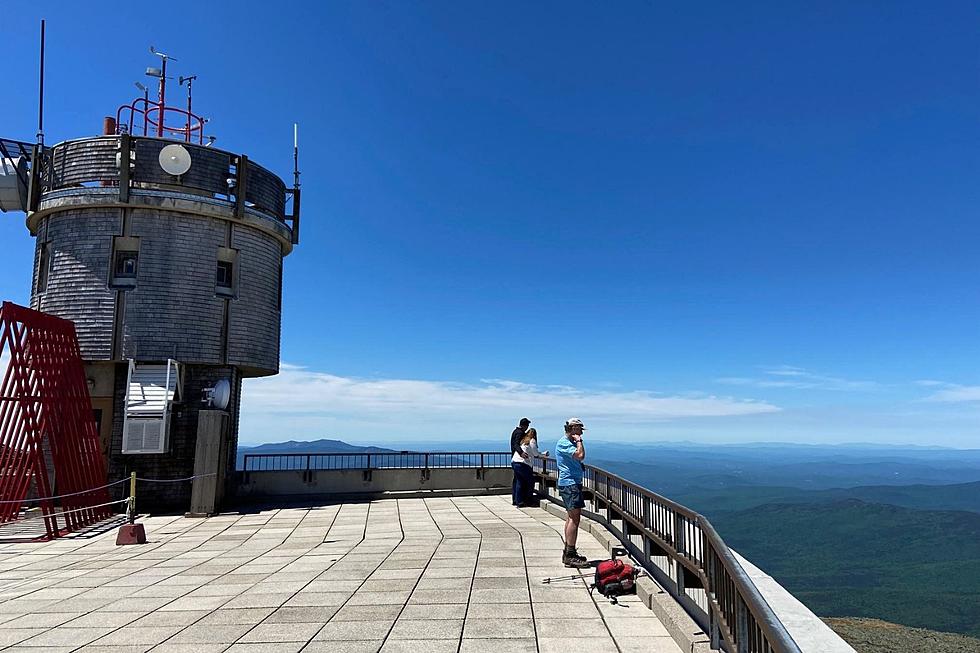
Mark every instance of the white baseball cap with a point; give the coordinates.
(574, 421)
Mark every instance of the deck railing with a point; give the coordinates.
(677, 545)
(686, 555)
(312, 462)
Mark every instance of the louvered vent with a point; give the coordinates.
(149, 395)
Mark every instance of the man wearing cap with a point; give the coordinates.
(570, 452)
(515, 447)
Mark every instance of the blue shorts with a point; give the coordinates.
(571, 495)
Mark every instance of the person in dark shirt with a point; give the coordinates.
(515, 447)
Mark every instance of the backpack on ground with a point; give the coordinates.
(614, 577)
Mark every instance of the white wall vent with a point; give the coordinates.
(150, 393)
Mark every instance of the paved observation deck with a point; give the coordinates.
(400, 575)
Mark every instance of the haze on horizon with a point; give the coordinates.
(715, 224)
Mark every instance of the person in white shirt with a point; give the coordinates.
(522, 463)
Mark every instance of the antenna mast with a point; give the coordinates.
(40, 94)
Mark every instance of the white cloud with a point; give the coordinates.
(788, 376)
(4, 362)
(953, 393)
(300, 398)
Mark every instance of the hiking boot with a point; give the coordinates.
(571, 558)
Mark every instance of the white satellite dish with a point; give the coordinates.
(221, 394)
(175, 160)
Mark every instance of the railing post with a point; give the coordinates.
(368, 465)
(680, 546)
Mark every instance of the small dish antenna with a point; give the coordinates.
(218, 396)
(175, 160)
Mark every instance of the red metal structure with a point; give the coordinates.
(46, 420)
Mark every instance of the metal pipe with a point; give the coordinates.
(40, 93)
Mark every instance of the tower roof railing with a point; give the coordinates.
(153, 116)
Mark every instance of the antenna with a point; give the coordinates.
(162, 92)
(295, 155)
(190, 83)
(40, 94)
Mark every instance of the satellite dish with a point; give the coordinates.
(175, 160)
(221, 394)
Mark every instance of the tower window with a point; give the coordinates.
(125, 262)
(225, 270)
(126, 265)
(225, 281)
(43, 267)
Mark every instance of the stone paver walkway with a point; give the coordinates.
(429, 575)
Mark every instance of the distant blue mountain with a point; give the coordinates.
(306, 446)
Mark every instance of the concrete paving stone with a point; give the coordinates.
(195, 603)
(448, 572)
(366, 646)
(386, 584)
(317, 614)
(499, 628)
(150, 635)
(584, 626)
(559, 610)
(158, 591)
(11, 636)
(440, 596)
(514, 571)
(492, 645)
(210, 634)
(499, 596)
(131, 648)
(500, 583)
(636, 626)
(433, 611)
(170, 618)
(565, 644)
(379, 598)
(282, 632)
(254, 600)
(317, 599)
(366, 612)
(41, 620)
(395, 574)
(499, 611)
(426, 583)
(167, 647)
(420, 646)
(648, 645)
(354, 630)
(560, 595)
(426, 629)
(34, 649)
(102, 618)
(273, 587)
(226, 616)
(64, 636)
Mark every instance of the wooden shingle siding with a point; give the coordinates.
(80, 245)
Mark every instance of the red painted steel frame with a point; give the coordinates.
(46, 418)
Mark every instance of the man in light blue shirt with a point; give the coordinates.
(570, 452)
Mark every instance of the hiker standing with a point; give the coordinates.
(570, 452)
(515, 451)
(522, 462)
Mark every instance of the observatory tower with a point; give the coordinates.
(167, 253)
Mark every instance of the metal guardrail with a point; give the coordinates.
(278, 462)
(686, 554)
(676, 544)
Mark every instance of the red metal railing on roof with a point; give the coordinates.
(153, 115)
(46, 417)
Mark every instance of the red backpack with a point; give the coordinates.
(614, 577)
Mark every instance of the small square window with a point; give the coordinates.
(225, 276)
(125, 267)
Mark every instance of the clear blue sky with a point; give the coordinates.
(716, 222)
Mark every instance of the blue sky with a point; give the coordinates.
(716, 223)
